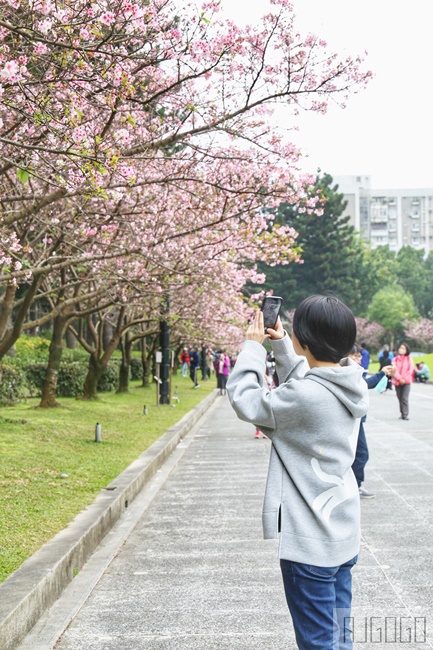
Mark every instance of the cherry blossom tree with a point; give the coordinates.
(141, 131)
(371, 333)
(420, 332)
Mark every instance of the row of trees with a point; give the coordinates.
(138, 165)
(392, 290)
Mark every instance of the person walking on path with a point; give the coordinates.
(222, 370)
(194, 365)
(404, 372)
(312, 499)
(362, 455)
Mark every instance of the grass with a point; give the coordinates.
(427, 358)
(37, 446)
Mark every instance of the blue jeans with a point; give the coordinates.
(319, 600)
(361, 456)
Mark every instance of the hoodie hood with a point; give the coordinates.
(346, 383)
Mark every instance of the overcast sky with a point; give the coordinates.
(386, 131)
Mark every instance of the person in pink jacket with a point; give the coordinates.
(403, 377)
(222, 368)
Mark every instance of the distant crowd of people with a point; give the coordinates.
(404, 372)
(195, 360)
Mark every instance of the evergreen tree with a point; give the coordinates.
(428, 297)
(413, 277)
(381, 268)
(332, 253)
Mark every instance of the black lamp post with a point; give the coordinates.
(164, 342)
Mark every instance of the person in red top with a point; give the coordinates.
(403, 377)
(184, 359)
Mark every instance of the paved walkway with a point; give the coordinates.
(196, 574)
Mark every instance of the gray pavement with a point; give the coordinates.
(186, 566)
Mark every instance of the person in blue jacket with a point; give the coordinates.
(365, 356)
(362, 455)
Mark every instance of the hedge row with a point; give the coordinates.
(19, 381)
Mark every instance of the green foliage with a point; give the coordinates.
(428, 297)
(110, 378)
(71, 377)
(12, 384)
(412, 277)
(380, 268)
(23, 175)
(136, 368)
(391, 307)
(332, 253)
(31, 349)
(408, 268)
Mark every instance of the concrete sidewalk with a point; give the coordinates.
(195, 573)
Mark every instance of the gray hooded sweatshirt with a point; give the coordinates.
(312, 418)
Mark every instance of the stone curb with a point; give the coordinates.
(33, 588)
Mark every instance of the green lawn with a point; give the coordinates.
(37, 446)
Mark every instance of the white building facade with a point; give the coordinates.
(396, 218)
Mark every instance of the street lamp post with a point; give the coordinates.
(164, 342)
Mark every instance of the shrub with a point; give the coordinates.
(35, 375)
(110, 377)
(32, 349)
(71, 377)
(12, 385)
(136, 368)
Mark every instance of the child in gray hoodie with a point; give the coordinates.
(311, 498)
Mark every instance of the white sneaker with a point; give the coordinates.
(366, 494)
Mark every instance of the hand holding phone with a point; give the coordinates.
(271, 310)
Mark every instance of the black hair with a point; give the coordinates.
(326, 325)
(355, 349)
(407, 353)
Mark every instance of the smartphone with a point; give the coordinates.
(271, 309)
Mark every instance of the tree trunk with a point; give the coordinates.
(90, 388)
(55, 356)
(126, 347)
(107, 334)
(98, 364)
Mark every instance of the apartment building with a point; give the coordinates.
(396, 217)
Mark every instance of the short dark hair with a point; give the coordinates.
(326, 325)
(407, 353)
